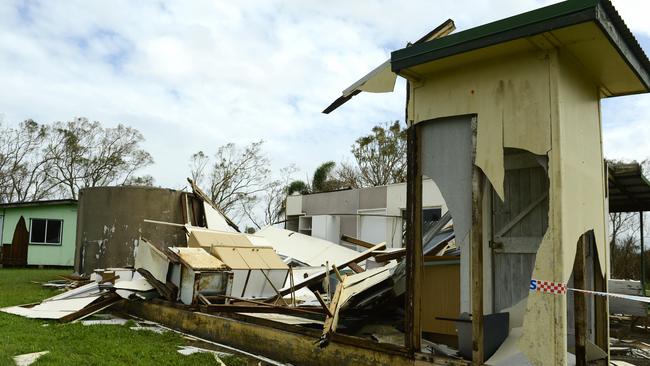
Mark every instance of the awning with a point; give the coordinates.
(629, 190)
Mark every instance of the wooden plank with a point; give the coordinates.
(323, 303)
(476, 239)
(230, 308)
(204, 299)
(515, 220)
(330, 320)
(162, 288)
(526, 200)
(601, 314)
(91, 309)
(517, 244)
(313, 310)
(413, 245)
(204, 197)
(337, 273)
(395, 254)
(356, 241)
(436, 258)
(579, 304)
(356, 268)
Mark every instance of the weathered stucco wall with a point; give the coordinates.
(110, 223)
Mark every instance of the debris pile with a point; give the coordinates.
(274, 275)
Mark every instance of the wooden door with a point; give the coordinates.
(16, 253)
(518, 226)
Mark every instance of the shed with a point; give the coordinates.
(505, 118)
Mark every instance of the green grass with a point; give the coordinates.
(76, 344)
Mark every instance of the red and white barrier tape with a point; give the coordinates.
(560, 288)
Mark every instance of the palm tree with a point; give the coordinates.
(321, 182)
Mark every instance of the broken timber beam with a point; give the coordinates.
(91, 309)
(356, 268)
(223, 308)
(330, 321)
(579, 304)
(356, 241)
(323, 303)
(476, 256)
(413, 245)
(166, 290)
(386, 256)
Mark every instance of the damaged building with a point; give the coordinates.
(504, 121)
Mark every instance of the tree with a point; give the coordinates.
(235, 178)
(324, 179)
(381, 155)
(144, 181)
(85, 154)
(23, 166)
(348, 175)
(272, 202)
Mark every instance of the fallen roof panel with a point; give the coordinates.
(305, 248)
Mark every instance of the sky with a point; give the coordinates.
(194, 75)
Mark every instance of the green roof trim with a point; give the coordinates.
(527, 24)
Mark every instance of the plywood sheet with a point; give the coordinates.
(198, 258)
(207, 238)
(271, 259)
(440, 298)
(230, 257)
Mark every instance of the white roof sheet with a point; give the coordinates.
(305, 248)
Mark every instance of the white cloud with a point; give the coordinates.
(194, 75)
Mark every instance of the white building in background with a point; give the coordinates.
(373, 214)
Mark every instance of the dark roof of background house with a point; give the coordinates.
(38, 203)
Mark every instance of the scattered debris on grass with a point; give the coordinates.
(28, 358)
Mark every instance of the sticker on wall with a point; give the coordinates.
(548, 287)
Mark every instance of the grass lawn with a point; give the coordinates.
(76, 344)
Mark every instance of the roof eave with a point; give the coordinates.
(602, 13)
